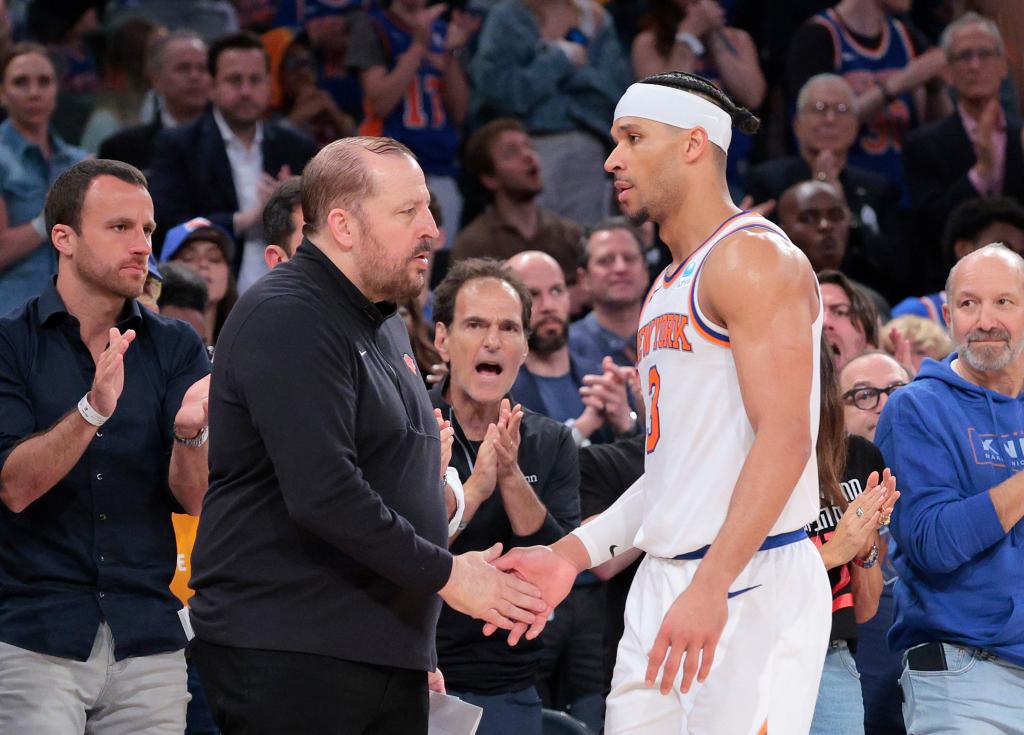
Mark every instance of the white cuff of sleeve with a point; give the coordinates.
(614, 531)
(89, 413)
(451, 477)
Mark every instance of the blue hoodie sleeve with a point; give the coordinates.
(938, 525)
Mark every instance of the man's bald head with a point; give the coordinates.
(549, 322)
(967, 264)
(533, 260)
(815, 216)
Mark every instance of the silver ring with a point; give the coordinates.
(859, 512)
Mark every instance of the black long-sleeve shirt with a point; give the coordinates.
(324, 527)
(471, 661)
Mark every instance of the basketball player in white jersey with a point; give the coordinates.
(728, 618)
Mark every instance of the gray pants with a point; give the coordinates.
(48, 695)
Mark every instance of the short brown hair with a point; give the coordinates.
(278, 227)
(472, 269)
(338, 176)
(862, 310)
(478, 159)
(23, 48)
(66, 197)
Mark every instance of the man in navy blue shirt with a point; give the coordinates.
(102, 436)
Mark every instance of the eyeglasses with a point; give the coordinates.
(969, 54)
(822, 108)
(867, 398)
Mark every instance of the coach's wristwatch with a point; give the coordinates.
(197, 441)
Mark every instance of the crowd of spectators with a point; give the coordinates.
(891, 149)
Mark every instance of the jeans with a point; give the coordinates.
(880, 671)
(840, 706)
(511, 713)
(978, 694)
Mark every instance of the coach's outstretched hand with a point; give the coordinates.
(692, 626)
(479, 590)
(552, 573)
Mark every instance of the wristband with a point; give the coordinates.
(196, 441)
(577, 436)
(695, 44)
(451, 478)
(870, 561)
(89, 413)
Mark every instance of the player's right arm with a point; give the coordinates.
(553, 569)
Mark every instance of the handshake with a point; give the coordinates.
(515, 592)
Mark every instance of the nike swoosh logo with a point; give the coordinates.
(737, 593)
(362, 353)
(612, 548)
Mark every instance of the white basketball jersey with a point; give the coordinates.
(698, 433)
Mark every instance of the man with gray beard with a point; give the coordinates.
(954, 438)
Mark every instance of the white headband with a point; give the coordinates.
(677, 108)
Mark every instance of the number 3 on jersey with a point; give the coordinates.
(653, 420)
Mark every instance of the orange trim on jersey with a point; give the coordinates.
(908, 43)
(753, 221)
(874, 54)
(837, 51)
(709, 337)
(682, 266)
(764, 727)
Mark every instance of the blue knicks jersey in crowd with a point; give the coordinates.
(420, 120)
(880, 141)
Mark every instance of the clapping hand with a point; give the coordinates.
(506, 439)
(447, 432)
(108, 382)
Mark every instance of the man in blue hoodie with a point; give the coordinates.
(955, 440)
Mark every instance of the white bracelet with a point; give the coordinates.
(695, 44)
(451, 477)
(89, 413)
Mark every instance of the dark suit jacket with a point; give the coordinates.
(937, 159)
(190, 175)
(875, 253)
(132, 145)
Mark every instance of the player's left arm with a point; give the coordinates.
(764, 293)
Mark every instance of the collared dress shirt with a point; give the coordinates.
(99, 545)
(246, 173)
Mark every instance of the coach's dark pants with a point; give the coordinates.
(259, 692)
